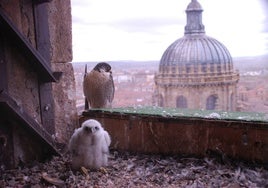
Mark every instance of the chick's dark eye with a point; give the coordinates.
(96, 128)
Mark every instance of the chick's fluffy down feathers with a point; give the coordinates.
(89, 146)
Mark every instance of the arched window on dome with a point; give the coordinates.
(212, 68)
(224, 67)
(204, 67)
(188, 68)
(219, 68)
(195, 69)
(181, 102)
(173, 69)
(211, 102)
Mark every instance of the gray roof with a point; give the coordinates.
(196, 49)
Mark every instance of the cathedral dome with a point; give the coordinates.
(196, 71)
(196, 50)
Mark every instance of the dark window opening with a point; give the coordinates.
(181, 102)
(211, 102)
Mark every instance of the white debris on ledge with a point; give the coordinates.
(213, 115)
(127, 170)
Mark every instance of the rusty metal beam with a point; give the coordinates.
(3, 65)
(19, 40)
(43, 47)
(11, 110)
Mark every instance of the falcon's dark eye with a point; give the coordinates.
(87, 129)
(97, 128)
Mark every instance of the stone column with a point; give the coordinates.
(60, 28)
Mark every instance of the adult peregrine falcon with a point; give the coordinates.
(99, 86)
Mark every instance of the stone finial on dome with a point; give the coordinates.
(194, 5)
(194, 19)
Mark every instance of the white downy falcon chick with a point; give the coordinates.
(98, 86)
(89, 146)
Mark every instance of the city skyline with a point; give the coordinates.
(136, 30)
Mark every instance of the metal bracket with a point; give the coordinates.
(19, 40)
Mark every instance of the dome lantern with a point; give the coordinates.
(194, 19)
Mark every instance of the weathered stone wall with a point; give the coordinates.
(64, 102)
(23, 85)
(60, 31)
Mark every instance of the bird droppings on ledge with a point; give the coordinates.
(138, 170)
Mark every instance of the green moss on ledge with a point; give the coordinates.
(176, 113)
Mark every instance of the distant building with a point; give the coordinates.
(123, 78)
(196, 71)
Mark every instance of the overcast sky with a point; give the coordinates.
(106, 30)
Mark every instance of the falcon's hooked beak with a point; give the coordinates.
(93, 129)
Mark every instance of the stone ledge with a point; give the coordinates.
(156, 134)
